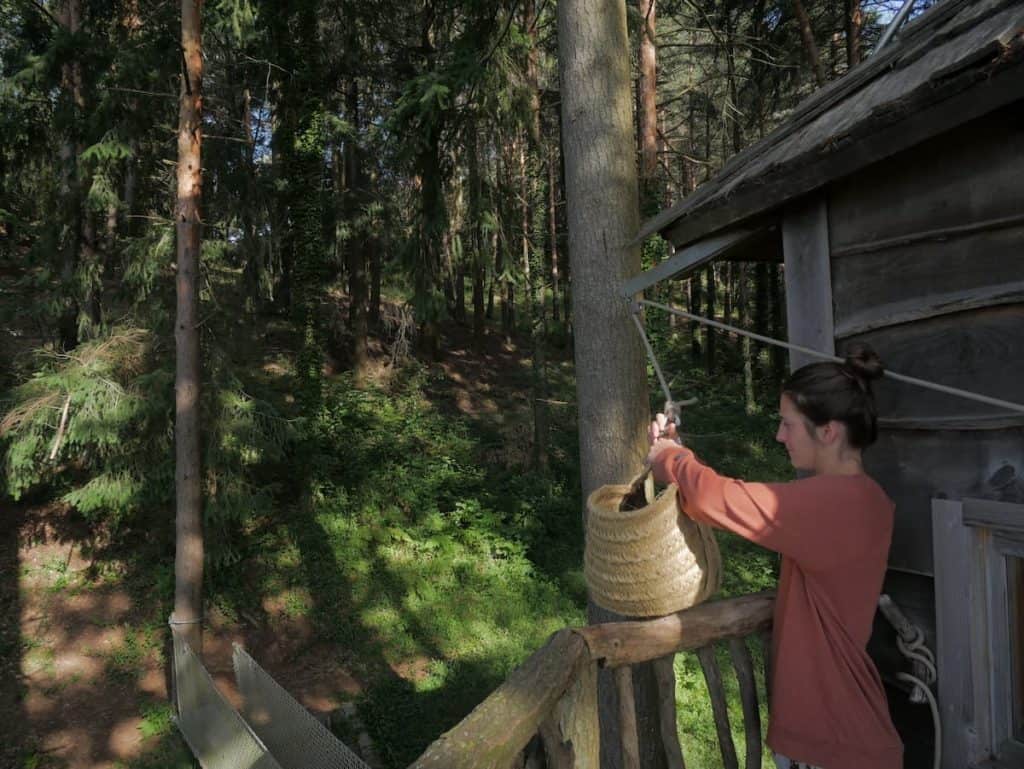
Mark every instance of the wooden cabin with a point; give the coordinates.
(894, 197)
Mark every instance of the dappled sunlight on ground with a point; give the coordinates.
(88, 689)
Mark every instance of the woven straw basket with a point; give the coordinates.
(651, 561)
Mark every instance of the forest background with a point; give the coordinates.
(390, 459)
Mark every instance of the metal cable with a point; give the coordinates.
(955, 391)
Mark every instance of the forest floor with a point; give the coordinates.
(83, 673)
(411, 602)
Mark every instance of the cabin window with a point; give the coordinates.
(1015, 591)
(979, 601)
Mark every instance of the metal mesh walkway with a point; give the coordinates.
(273, 732)
(295, 738)
(215, 732)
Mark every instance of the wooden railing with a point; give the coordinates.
(552, 696)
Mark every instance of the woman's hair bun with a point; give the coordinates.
(863, 362)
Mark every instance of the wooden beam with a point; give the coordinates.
(744, 666)
(571, 734)
(808, 279)
(665, 677)
(994, 515)
(495, 732)
(716, 691)
(930, 306)
(686, 260)
(969, 422)
(614, 644)
(627, 718)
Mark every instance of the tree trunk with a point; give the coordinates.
(760, 305)
(477, 235)
(810, 47)
(854, 21)
(433, 216)
(730, 64)
(70, 17)
(603, 217)
(745, 343)
(533, 212)
(374, 242)
(432, 226)
(355, 248)
(710, 302)
(647, 114)
(188, 558)
(553, 234)
(778, 354)
(731, 271)
(693, 296)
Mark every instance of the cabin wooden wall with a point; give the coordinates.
(927, 266)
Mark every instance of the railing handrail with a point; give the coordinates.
(554, 691)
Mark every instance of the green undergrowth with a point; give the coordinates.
(427, 557)
(433, 570)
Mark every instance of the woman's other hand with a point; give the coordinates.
(661, 434)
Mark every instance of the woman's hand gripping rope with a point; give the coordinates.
(661, 435)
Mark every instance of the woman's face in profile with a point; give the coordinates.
(793, 433)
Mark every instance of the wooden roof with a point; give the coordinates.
(956, 62)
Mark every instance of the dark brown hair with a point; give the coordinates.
(828, 391)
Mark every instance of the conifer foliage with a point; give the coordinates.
(377, 182)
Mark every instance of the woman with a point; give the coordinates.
(833, 529)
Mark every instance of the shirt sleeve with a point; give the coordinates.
(806, 519)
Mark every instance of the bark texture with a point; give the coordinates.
(603, 217)
(188, 558)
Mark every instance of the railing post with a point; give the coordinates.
(627, 717)
(708, 663)
(571, 734)
(744, 666)
(665, 675)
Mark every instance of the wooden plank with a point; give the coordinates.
(686, 260)
(744, 666)
(951, 546)
(921, 300)
(981, 743)
(916, 467)
(808, 279)
(936, 235)
(571, 734)
(627, 718)
(614, 644)
(716, 691)
(999, 628)
(993, 515)
(980, 422)
(665, 678)
(981, 351)
(498, 729)
(978, 183)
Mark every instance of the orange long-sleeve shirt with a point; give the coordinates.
(828, 706)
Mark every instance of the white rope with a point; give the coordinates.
(1019, 408)
(672, 407)
(921, 686)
